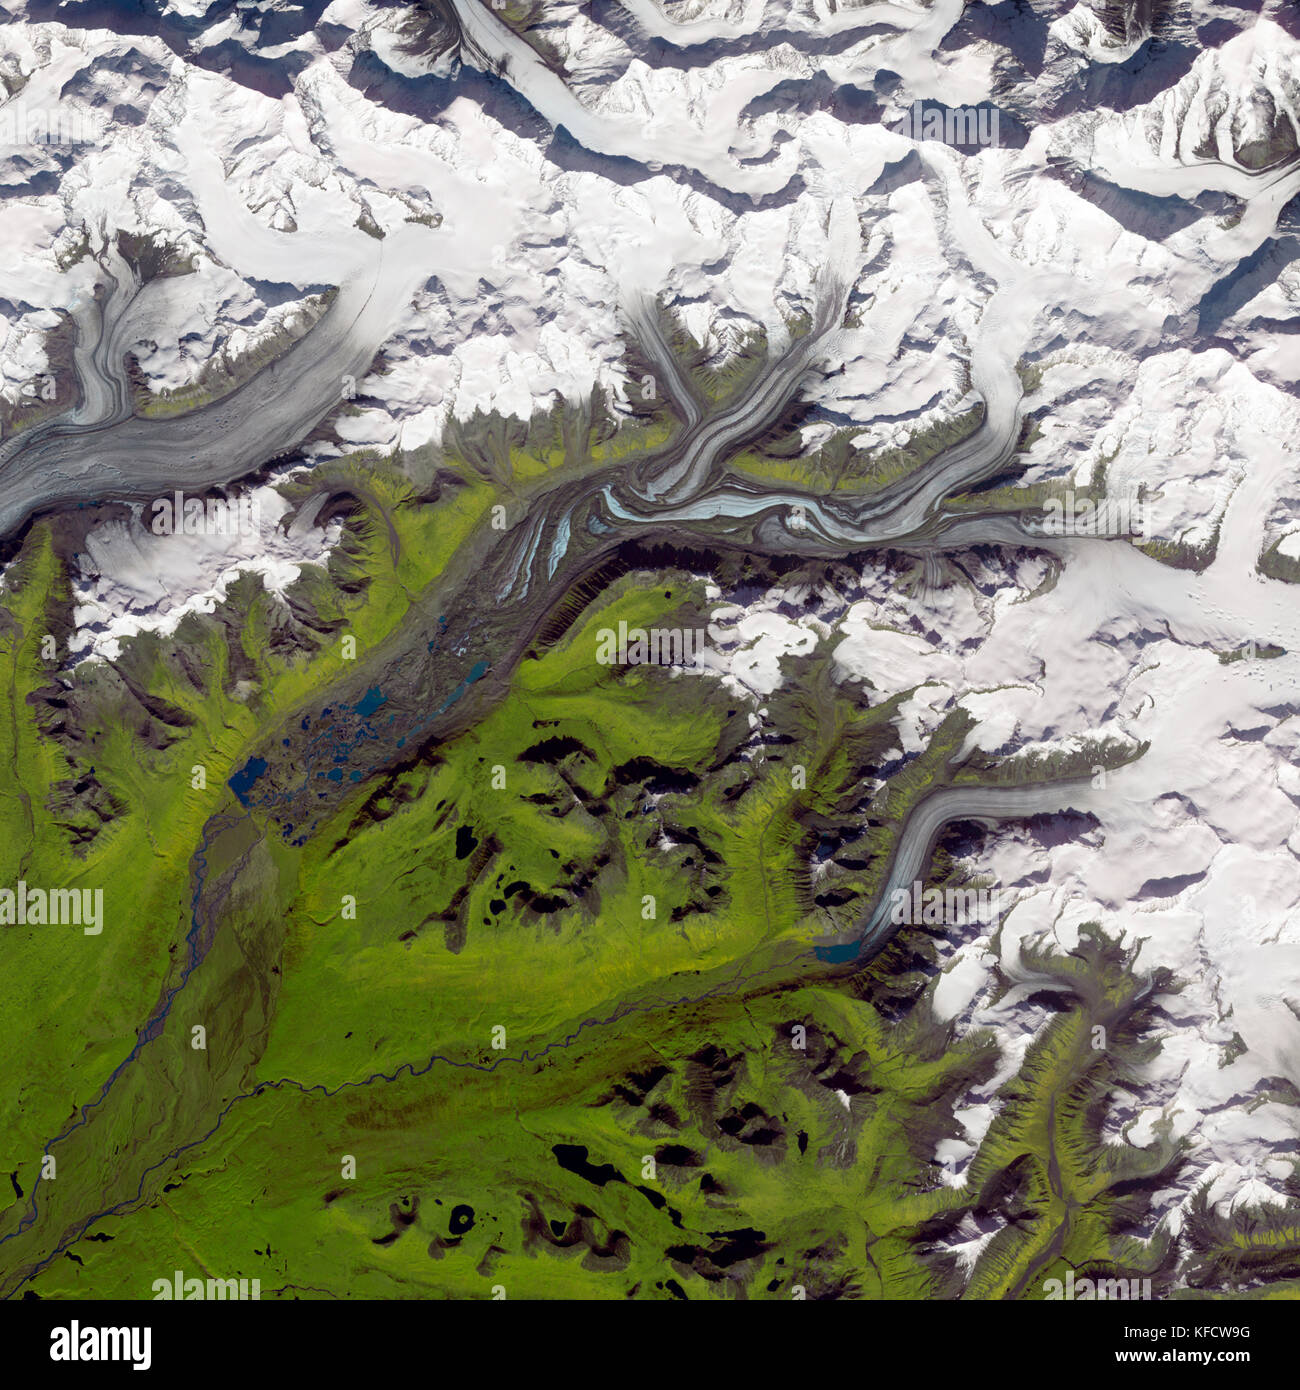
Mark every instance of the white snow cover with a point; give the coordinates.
(699, 179)
(1197, 849)
(131, 580)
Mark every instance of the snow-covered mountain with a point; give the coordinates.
(1092, 205)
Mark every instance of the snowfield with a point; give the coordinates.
(1118, 277)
